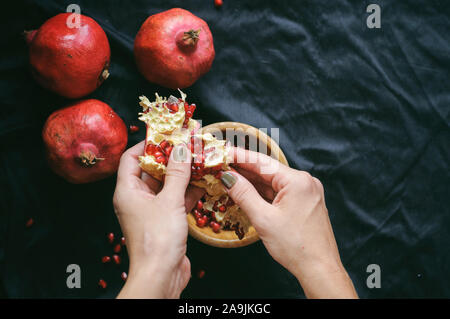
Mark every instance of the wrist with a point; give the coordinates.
(326, 280)
(145, 280)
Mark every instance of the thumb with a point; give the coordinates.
(245, 195)
(178, 173)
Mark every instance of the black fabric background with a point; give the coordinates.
(365, 110)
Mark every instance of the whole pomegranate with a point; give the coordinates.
(174, 48)
(71, 62)
(84, 141)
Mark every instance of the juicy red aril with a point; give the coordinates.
(222, 209)
(102, 283)
(201, 274)
(215, 227)
(111, 237)
(124, 276)
(216, 204)
(106, 259)
(117, 248)
(218, 3)
(29, 222)
(201, 222)
(134, 128)
(230, 202)
(168, 150)
(157, 154)
(160, 159)
(199, 205)
(122, 241)
(116, 259)
(164, 144)
(151, 149)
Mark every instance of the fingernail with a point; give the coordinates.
(180, 153)
(228, 179)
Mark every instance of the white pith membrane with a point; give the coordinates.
(165, 125)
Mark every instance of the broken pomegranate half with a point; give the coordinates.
(169, 122)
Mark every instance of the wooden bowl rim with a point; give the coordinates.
(206, 235)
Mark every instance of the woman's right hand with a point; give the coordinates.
(287, 209)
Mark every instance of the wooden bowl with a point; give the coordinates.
(244, 133)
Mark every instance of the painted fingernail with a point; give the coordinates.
(228, 179)
(180, 153)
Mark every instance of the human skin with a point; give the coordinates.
(286, 207)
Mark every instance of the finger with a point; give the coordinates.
(245, 195)
(193, 194)
(271, 171)
(178, 173)
(151, 182)
(129, 162)
(263, 189)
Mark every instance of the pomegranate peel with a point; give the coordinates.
(71, 62)
(84, 141)
(174, 48)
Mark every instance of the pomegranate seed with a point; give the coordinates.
(163, 144)
(215, 227)
(124, 276)
(201, 222)
(134, 128)
(117, 248)
(218, 3)
(230, 202)
(111, 237)
(150, 149)
(106, 259)
(29, 222)
(102, 283)
(116, 259)
(158, 154)
(201, 274)
(168, 150)
(199, 205)
(213, 216)
(122, 241)
(216, 204)
(160, 159)
(218, 175)
(197, 215)
(222, 209)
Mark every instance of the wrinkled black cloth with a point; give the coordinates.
(364, 110)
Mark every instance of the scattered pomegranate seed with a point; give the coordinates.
(117, 248)
(201, 274)
(199, 205)
(116, 259)
(122, 241)
(102, 283)
(124, 276)
(218, 3)
(134, 128)
(111, 237)
(29, 222)
(106, 259)
(222, 209)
